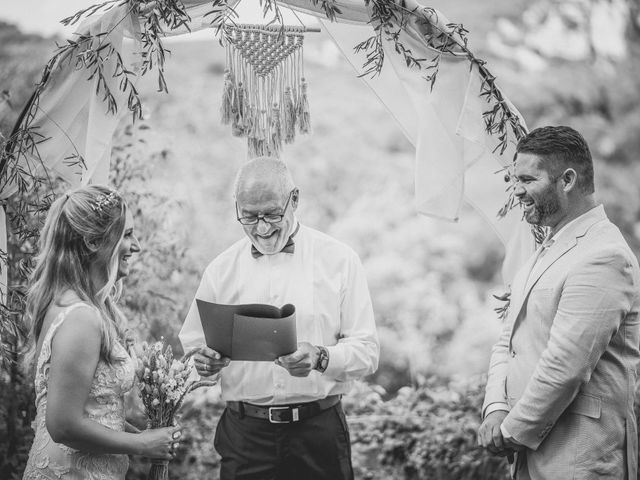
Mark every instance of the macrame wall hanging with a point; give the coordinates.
(265, 93)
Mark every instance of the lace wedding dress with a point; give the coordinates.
(105, 405)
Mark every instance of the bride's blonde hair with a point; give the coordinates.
(83, 227)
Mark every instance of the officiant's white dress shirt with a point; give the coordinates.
(326, 282)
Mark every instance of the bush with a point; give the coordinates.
(16, 413)
(423, 433)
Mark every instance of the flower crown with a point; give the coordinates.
(104, 202)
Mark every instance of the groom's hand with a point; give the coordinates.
(209, 362)
(490, 435)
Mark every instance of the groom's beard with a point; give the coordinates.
(545, 206)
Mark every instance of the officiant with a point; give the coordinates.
(283, 419)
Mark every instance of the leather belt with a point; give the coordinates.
(284, 413)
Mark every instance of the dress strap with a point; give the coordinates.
(45, 349)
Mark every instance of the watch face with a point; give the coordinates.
(323, 360)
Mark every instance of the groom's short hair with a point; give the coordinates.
(561, 147)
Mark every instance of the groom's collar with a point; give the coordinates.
(579, 225)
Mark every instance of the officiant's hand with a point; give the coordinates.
(302, 361)
(209, 362)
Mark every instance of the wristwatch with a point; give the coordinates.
(323, 359)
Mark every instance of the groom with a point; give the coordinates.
(284, 419)
(562, 376)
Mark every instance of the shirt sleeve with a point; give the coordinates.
(191, 334)
(357, 351)
(494, 407)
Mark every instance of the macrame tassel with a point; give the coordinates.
(226, 109)
(262, 148)
(289, 117)
(239, 125)
(250, 122)
(302, 110)
(243, 105)
(261, 62)
(251, 147)
(261, 131)
(276, 132)
(257, 147)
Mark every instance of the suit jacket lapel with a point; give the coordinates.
(551, 256)
(522, 284)
(519, 282)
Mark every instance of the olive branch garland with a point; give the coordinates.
(21, 164)
(93, 53)
(90, 52)
(389, 19)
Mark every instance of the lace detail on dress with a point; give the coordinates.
(54, 461)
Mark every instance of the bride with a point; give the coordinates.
(82, 368)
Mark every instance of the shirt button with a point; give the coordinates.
(513, 353)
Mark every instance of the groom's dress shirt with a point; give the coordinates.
(326, 282)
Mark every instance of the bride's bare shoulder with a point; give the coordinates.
(79, 321)
(86, 313)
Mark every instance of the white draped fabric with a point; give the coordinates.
(454, 159)
(454, 153)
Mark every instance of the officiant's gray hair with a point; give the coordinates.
(262, 168)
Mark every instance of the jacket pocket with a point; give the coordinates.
(587, 405)
(541, 290)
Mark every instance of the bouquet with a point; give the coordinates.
(164, 383)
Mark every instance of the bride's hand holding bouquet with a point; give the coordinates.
(163, 383)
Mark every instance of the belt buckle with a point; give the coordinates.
(294, 415)
(271, 410)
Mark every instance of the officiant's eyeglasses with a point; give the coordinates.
(268, 217)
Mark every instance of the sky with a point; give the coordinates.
(43, 16)
(38, 16)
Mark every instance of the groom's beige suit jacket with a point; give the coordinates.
(565, 363)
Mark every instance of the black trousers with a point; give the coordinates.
(316, 448)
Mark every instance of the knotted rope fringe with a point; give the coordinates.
(265, 93)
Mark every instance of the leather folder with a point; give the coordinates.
(251, 332)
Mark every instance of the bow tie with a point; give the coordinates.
(288, 248)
